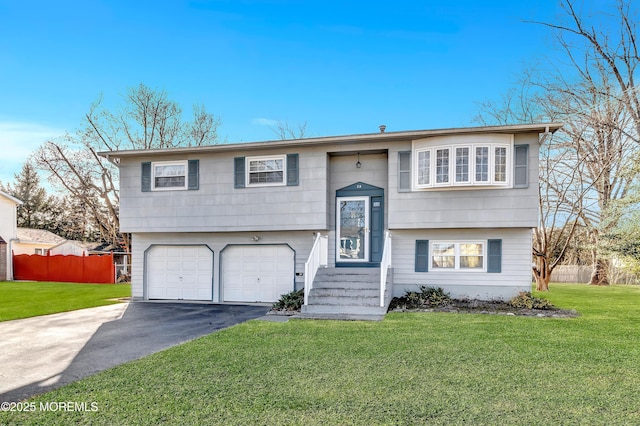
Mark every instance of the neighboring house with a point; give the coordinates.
(8, 233)
(82, 248)
(238, 222)
(35, 241)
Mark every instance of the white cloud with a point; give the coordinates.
(265, 122)
(18, 140)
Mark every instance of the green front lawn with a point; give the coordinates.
(411, 368)
(30, 299)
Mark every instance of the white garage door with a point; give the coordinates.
(257, 273)
(180, 272)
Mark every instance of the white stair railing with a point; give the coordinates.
(319, 256)
(385, 263)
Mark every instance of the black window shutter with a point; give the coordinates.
(194, 166)
(404, 171)
(238, 171)
(422, 255)
(146, 177)
(521, 166)
(494, 256)
(292, 170)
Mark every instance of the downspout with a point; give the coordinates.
(10, 255)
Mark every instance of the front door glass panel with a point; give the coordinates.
(353, 229)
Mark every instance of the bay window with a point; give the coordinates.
(484, 164)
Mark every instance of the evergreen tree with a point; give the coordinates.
(36, 205)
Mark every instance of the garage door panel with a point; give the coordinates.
(194, 294)
(250, 266)
(173, 264)
(189, 264)
(267, 280)
(257, 273)
(203, 264)
(282, 267)
(173, 292)
(268, 267)
(233, 294)
(180, 272)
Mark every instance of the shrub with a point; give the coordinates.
(427, 297)
(524, 299)
(292, 301)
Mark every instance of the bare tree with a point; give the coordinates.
(588, 44)
(598, 100)
(148, 120)
(594, 160)
(560, 203)
(284, 130)
(600, 138)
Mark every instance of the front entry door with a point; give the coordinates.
(352, 242)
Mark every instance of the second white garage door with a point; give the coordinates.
(257, 273)
(179, 272)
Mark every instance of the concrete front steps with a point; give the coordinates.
(347, 293)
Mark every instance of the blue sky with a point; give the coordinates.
(343, 67)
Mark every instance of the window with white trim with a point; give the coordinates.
(463, 165)
(482, 164)
(457, 255)
(169, 175)
(442, 166)
(424, 167)
(500, 164)
(266, 170)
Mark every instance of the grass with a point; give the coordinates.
(29, 299)
(411, 368)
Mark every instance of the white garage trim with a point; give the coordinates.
(178, 272)
(256, 273)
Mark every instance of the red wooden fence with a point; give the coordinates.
(64, 268)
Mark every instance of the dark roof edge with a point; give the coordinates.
(380, 136)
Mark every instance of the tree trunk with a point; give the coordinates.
(599, 275)
(542, 273)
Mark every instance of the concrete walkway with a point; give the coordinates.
(42, 353)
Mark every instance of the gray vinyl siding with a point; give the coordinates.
(465, 208)
(300, 242)
(515, 275)
(218, 206)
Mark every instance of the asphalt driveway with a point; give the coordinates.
(43, 353)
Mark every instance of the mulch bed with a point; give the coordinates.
(475, 307)
(492, 308)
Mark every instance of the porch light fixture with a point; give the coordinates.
(358, 164)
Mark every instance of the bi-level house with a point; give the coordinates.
(353, 219)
